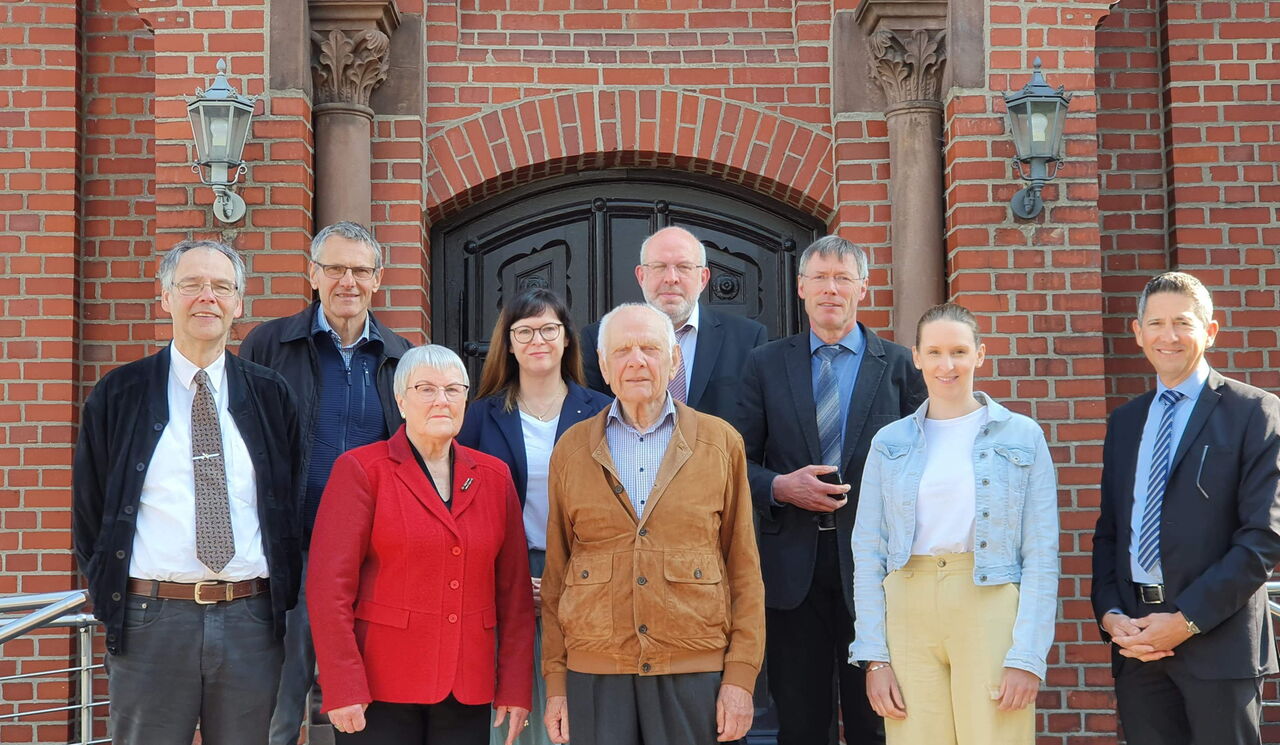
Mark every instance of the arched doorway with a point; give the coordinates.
(580, 235)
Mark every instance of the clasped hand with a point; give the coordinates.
(1148, 638)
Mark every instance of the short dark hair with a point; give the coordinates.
(1179, 283)
(501, 374)
(948, 312)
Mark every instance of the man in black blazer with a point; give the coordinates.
(672, 274)
(1188, 533)
(185, 519)
(806, 523)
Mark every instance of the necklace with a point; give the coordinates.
(552, 405)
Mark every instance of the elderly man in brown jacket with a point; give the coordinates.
(652, 602)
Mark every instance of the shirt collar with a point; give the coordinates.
(668, 410)
(693, 318)
(853, 341)
(322, 324)
(1190, 387)
(185, 370)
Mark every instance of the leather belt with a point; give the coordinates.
(204, 593)
(1150, 594)
(825, 520)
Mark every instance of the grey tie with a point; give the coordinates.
(679, 386)
(214, 543)
(826, 398)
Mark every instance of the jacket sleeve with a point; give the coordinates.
(88, 481)
(753, 424)
(514, 599)
(1105, 591)
(1228, 583)
(1033, 628)
(742, 564)
(339, 545)
(559, 532)
(870, 544)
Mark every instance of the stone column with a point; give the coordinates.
(350, 45)
(907, 44)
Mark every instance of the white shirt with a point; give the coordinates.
(539, 438)
(164, 546)
(689, 347)
(945, 506)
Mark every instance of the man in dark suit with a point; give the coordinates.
(672, 274)
(810, 405)
(186, 521)
(1188, 533)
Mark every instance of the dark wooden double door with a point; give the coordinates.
(580, 235)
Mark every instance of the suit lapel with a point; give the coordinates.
(1205, 404)
(602, 456)
(508, 423)
(415, 481)
(866, 385)
(467, 477)
(800, 383)
(705, 354)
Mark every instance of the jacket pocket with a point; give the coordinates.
(696, 603)
(585, 610)
(368, 610)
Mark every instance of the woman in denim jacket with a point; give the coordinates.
(956, 556)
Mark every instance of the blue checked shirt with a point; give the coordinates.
(637, 454)
(322, 324)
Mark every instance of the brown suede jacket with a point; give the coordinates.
(678, 591)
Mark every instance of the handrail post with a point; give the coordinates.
(84, 637)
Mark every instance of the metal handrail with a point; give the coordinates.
(54, 610)
(1273, 590)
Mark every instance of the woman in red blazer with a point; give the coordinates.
(421, 609)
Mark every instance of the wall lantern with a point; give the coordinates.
(1036, 115)
(220, 119)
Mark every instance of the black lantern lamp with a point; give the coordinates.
(220, 119)
(1036, 117)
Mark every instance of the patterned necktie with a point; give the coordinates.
(214, 543)
(678, 386)
(826, 398)
(1149, 537)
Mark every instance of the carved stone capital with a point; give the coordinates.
(908, 65)
(348, 65)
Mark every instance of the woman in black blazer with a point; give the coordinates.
(531, 391)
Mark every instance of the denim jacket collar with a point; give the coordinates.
(995, 412)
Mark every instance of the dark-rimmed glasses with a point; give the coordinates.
(548, 332)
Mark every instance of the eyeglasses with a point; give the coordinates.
(338, 271)
(191, 288)
(684, 269)
(843, 281)
(548, 332)
(429, 392)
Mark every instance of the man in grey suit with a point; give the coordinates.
(810, 405)
(1188, 533)
(672, 274)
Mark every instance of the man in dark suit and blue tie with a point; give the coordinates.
(810, 406)
(713, 346)
(1188, 533)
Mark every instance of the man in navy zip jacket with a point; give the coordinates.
(340, 362)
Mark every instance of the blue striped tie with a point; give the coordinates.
(1149, 537)
(827, 400)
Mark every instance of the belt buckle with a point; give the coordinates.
(211, 583)
(1151, 594)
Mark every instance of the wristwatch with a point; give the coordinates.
(1192, 628)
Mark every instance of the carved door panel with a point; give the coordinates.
(580, 235)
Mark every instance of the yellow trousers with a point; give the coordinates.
(947, 641)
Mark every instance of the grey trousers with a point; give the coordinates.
(186, 664)
(298, 674)
(642, 710)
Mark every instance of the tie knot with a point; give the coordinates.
(683, 331)
(1171, 397)
(201, 378)
(829, 352)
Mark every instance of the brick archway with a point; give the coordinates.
(783, 158)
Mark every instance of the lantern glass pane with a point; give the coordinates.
(1018, 128)
(195, 112)
(241, 118)
(217, 130)
(1059, 127)
(1042, 124)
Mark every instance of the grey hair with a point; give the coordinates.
(169, 262)
(351, 231)
(670, 330)
(834, 245)
(433, 356)
(1179, 283)
(702, 250)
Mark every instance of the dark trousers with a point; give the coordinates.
(298, 673)
(184, 663)
(642, 709)
(808, 652)
(445, 723)
(1160, 703)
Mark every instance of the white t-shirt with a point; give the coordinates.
(539, 438)
(945, 504)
